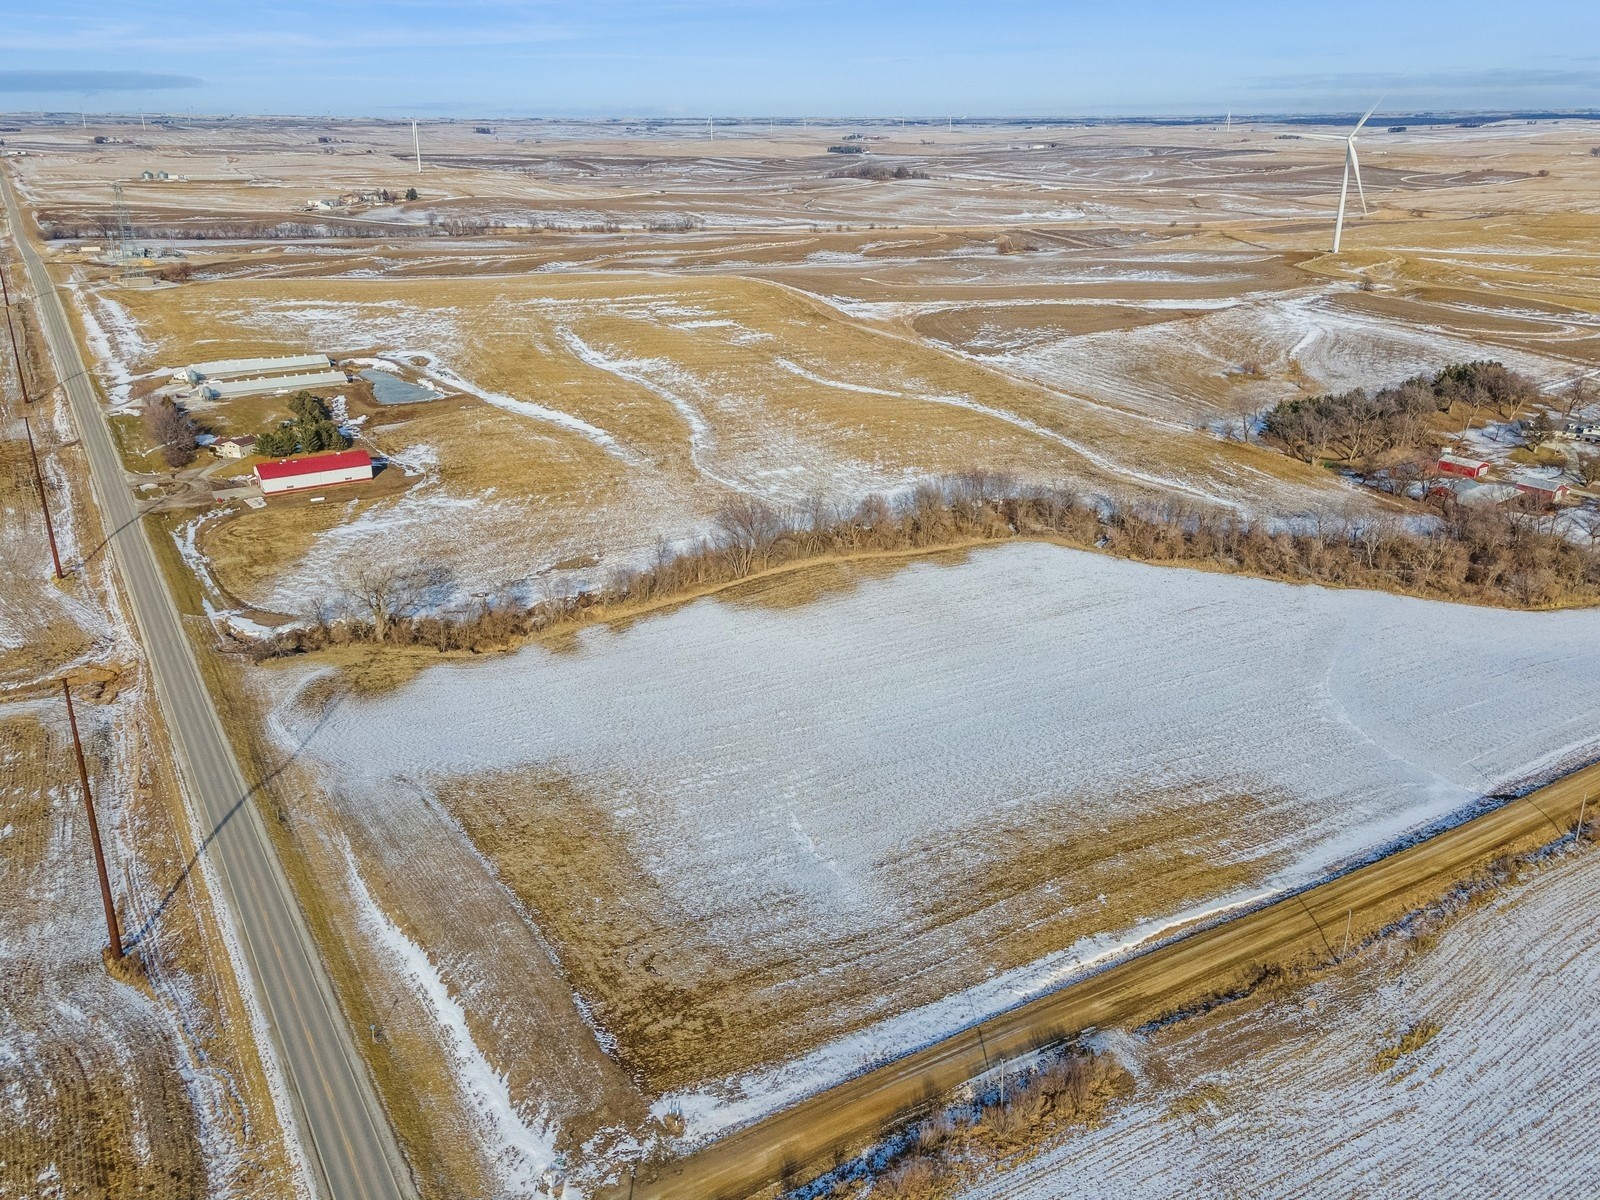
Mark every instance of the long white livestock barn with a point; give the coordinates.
(233, 368)
(225, 389)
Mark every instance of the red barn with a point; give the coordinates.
(1455, 464)
(1550, 491)
(317, 471)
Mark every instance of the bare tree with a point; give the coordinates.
(1245, 416)
(319, 613)
(385, 594)
(1576, 396)
(171, 431)
(1587, 522)
(746, 529)
(1587, 468)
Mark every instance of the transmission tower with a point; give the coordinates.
(132, 267)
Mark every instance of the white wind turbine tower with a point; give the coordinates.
(416, 146)
(1351, 164)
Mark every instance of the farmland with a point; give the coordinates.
(738, 891)
(628, 331)
(146, 1079)
(1322, 1089)
(607, 891)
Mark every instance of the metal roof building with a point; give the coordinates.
(1456, 464)
(225, 389)
(1551, 490)
(317, 471)
(229, 368)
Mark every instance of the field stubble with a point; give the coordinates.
(684, 1005)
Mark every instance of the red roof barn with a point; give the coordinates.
(1455, 464)
(1551, 491)
(319, 470)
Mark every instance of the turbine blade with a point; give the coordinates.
(1355, 163)
(1366, 118)
(1326, 137)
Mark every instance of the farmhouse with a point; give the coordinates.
(1583, 431)
(234, 447)
(318, 471)
(1455, 464)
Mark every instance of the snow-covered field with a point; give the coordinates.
(1190, 368)
(1501, 1102)
(770, 767)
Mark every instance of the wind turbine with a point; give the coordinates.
(1351, 164)
(416, 146)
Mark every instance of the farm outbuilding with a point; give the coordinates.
(1550, 491)
(1468, 491)
(317, 471)
(234, 368)
(1467, 468)
(229, 389)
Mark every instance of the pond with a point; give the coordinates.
(391, 389)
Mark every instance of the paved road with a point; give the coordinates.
(800, 1141)
(347, 1140)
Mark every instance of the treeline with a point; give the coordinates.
(878, 172)
(1363, 426)
(1501, 556)
(238, 230)
(943, 1154)
(438, 225)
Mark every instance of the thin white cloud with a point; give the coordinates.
(79, 81)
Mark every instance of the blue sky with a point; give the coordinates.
(780, 57)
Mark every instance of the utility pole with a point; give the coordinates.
(1349, 917)
(1583, 809)
(16, 355)
(44, 506)
(112, 931)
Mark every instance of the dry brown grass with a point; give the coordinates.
(106, 1066)
(684, 1007)
(46, 633)
(1409, 1042)
(508, 335)
(522, 1017)
(95, 1067)
(888, 411)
